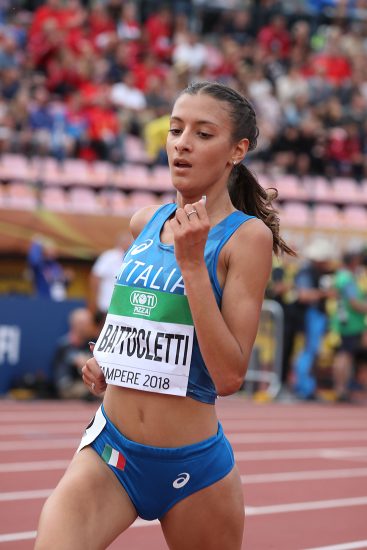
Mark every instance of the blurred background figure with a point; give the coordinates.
(313, 287)
(49, 278)
(72, 351)
(103, 277)
(349, 323)
(282, 290)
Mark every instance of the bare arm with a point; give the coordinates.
(225, 335)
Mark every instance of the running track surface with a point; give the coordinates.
(303, 469)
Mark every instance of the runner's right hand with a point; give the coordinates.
(93, 376)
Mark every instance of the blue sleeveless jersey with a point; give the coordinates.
(151, 264)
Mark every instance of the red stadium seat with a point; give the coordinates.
(139, 199)
(290, 188)
(355, 217)
(319, 189)
(161, 179)
(20, 195)
(15, 167)
(135, 150)
(84, 200)
(115, 202)
(326, 216)
(345, 191)
(295, 214)
(132, 176)
(55, 198)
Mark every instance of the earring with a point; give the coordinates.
(234, 162)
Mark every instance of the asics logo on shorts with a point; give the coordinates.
(181, 480)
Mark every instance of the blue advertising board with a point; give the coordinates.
(29, 330)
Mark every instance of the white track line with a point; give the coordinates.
(305, 506)
(37, 429)
(345, 546)
(37, 444)
(290, 454)
(47, 416)
(14, 537)
(280, 477)
(36, 466)
(291, 425)
(25, 495)
(29, 535)
(293, 437)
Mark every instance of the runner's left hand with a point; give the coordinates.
(190, 234)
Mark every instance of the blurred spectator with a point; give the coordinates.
(275, 37)
(348, 322)
(298, 62)
(103, 277)
(313, 287)
(127, 94)
(72, 352)
(282, 289)
(155, 135)
(189, 53)
(128, 26)
(49, 278)
(158, 30)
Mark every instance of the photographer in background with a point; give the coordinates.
(71, 354)
(349, 322)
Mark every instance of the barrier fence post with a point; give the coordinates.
(265, 368)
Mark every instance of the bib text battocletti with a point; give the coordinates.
(148, 341)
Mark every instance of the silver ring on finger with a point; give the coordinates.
(191, 212)
(92, 386)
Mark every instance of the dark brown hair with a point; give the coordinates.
(245, 191)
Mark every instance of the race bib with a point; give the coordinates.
(146, 342)
(93, 429)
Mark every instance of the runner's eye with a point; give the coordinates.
(175, 131)
(204, 135)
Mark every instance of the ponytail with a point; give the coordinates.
(245, 191)
(248, 196)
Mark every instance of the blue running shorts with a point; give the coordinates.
(156, 478)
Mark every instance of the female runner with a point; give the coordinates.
(179, 333)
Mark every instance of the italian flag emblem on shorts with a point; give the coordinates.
(113, 457)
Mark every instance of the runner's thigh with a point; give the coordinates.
(211, 519)
(88, 509)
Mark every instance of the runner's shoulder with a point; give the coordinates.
(141, 218)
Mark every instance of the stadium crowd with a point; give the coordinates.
(77, 77)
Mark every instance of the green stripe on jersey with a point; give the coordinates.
(150, 304)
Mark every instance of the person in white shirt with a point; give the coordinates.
(103, 276)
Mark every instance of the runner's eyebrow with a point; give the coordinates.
(178, 119)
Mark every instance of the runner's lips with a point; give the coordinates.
(181, 163)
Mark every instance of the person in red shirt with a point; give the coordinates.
(158, 29)
(274, 38)
(103, 127)
(148, 66)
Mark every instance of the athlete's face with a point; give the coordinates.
(199, 146)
